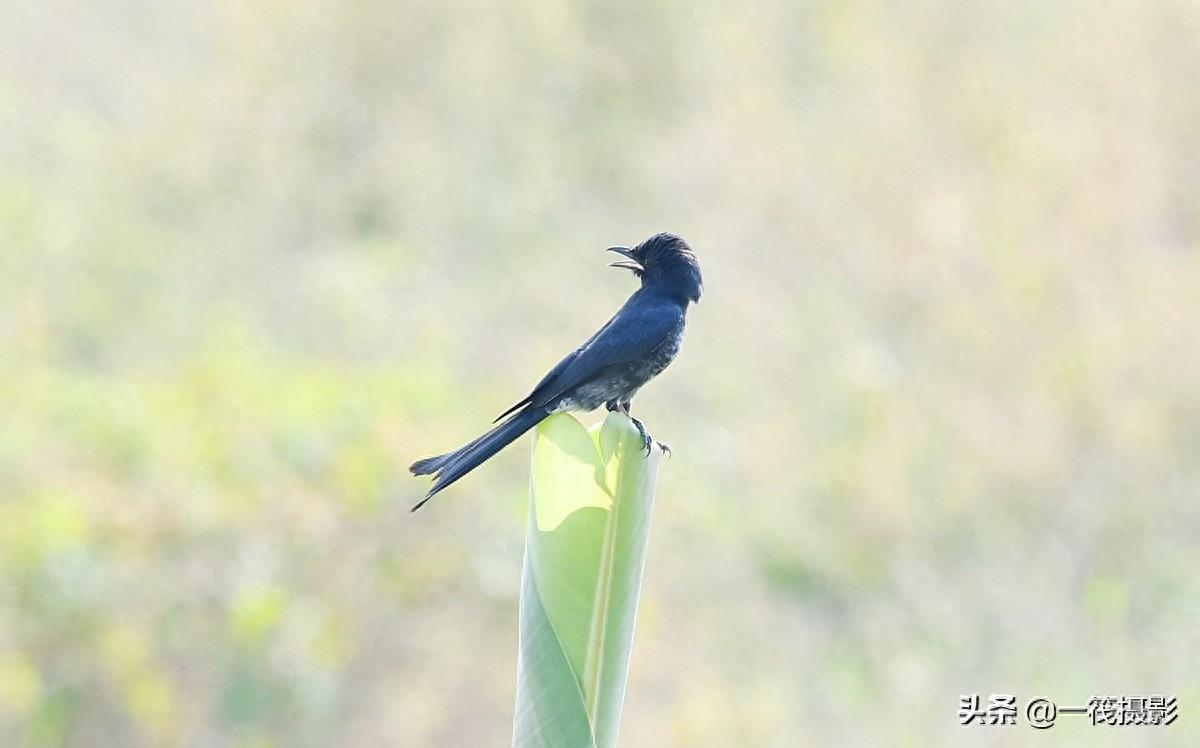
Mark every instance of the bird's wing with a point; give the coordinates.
(558, 368)
(540, 388)
(635, 331)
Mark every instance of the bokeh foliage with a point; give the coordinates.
(936, 420)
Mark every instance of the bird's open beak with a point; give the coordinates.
(630, 264)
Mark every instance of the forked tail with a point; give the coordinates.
(450, 467)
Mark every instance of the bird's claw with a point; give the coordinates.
(648, 442)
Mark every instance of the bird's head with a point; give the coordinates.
(664, 262)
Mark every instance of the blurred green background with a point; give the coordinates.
(936, 423)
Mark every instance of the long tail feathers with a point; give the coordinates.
(450, 467)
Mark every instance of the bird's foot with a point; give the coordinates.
(648, 442)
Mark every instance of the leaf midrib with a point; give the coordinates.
(593, 670)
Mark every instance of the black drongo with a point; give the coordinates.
(632, 347)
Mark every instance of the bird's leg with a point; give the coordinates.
(647, 442)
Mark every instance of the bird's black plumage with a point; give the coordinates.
(641, 339)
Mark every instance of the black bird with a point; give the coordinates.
(630, 350)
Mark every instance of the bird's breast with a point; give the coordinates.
(621, 382)
(664, 354)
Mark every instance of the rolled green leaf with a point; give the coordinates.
(590, 498)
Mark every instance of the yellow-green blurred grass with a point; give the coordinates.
(117, 486)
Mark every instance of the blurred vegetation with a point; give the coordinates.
(936, 422)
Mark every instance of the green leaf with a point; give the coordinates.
(591, 496)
